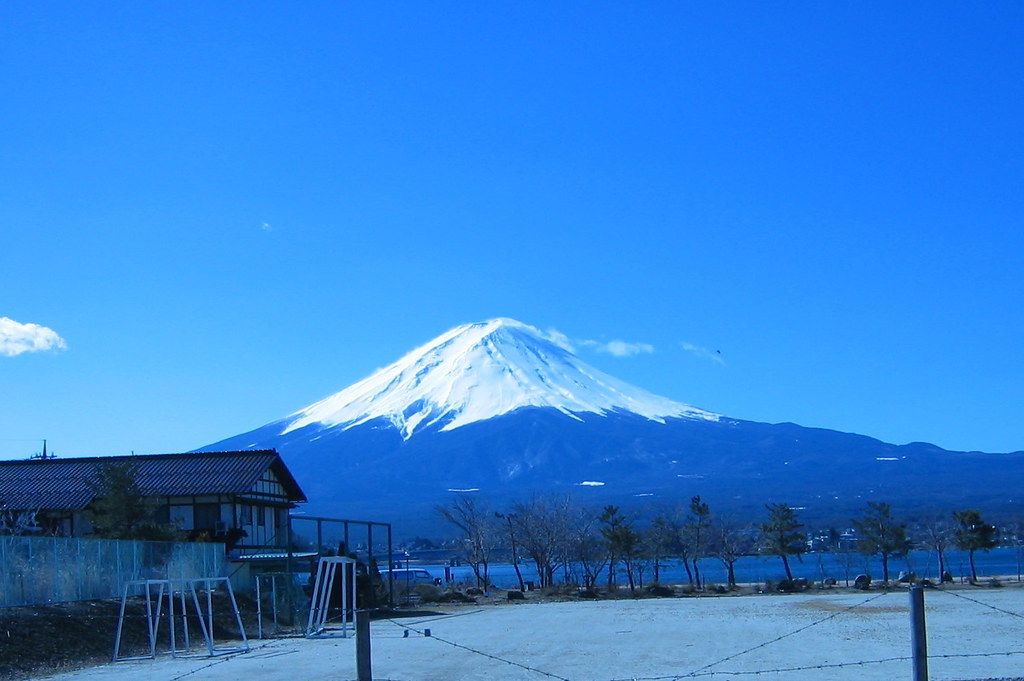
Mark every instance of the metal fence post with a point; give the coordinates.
(363, 668)
(918, 637)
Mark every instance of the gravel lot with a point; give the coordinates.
(973, 633)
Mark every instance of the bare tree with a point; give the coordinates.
(1015, 537)
(671, 526)
(509, 523)
(937, 536)
(661, 542)
(19, 522)
(587, 552)
(698, 523)
(542, 527)
(479, 534)
(728, 542)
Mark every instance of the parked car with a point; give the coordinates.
(406, 582)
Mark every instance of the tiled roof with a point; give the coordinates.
(64, 483)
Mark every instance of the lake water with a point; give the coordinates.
(843, 567)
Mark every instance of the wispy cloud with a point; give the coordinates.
(16, 338)
(619, 348)
(702, 352)
(559, 339)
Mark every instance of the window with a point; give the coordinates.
(207, 516)
(282, 519)
(182, 517)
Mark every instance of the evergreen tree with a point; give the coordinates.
(879, 533)
(973, 534)
(119, 509)
(623, 540)
(780, 536)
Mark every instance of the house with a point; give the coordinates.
(240, 498)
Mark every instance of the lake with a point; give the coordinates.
(843, 567)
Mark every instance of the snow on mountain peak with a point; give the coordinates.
(482, 370)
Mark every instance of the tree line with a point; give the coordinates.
(588, 547)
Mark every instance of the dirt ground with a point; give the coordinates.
(42, 641)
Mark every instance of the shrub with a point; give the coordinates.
(455, 597)
(793, 585)
(428, 593)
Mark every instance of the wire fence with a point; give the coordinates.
(727, 664)
(40, 570)
(719, 667)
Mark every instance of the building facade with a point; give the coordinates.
(241, 498)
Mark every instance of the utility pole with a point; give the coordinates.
(44, 456)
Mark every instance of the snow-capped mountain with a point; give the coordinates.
(478, 371)
(505, 410)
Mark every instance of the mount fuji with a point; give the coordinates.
(501, 409)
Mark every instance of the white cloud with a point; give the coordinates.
(618, 348)
(16, 338)
(559, 339)
(703, 353)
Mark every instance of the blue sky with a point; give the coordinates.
(227, 211)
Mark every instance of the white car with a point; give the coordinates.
(406, 581)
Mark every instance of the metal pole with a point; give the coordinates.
(918, 638)
(391, 560)
(363, 672)
(259, 608)
(273, 599)
(369, 543)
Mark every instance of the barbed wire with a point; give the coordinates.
(982, 603)
(827, 618)
(224, 658)
(755, 672)
(701, 671)
(482, 653)
(815, 667)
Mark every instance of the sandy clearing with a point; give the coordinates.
(806, 636)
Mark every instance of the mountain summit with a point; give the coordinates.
(478, 371)
(503, 410)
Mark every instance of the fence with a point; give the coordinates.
(837, 636)
(37, 570)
